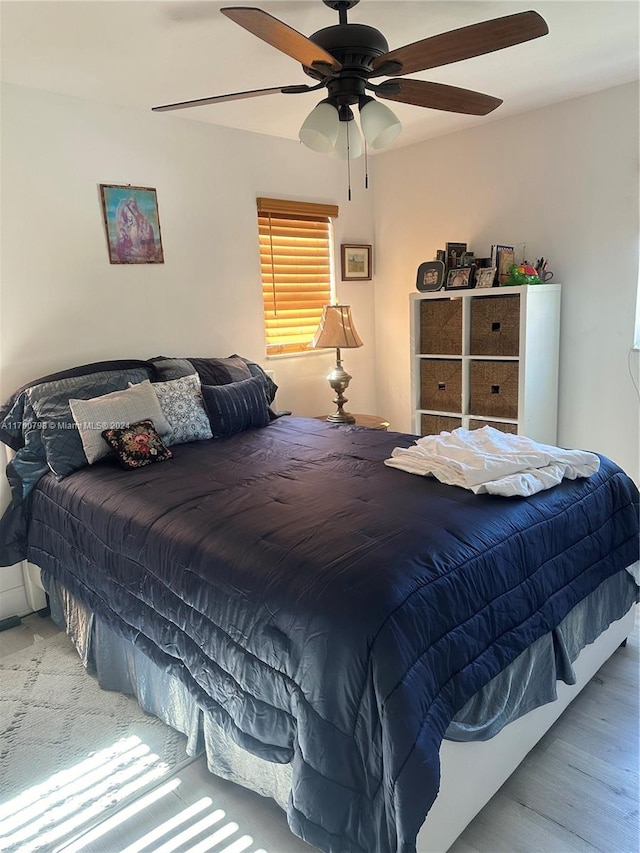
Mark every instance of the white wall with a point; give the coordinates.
(62, 302)
(564, 181)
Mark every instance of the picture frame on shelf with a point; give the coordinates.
(132, 224)
(459, 278)
(454, 253)
(356, 261)
(505, 257)
(430, 276)
(485, 276)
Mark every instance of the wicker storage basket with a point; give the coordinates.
(495, 325)
(441, 326)
(494, 389)
(441, 384)
(501, 425)
(435, 424)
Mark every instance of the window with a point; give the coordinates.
(296, 264)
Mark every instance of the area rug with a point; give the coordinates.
(70, 752)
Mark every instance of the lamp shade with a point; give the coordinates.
(319, 130)
(380, 125)
(336, 329)
(347, 148)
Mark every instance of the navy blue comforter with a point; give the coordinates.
(327, 610)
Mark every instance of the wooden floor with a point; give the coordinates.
(576, 792)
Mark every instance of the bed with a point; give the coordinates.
(322, 619)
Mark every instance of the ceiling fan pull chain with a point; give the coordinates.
(348, 164)
(366, 165)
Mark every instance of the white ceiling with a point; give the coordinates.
(142, 53)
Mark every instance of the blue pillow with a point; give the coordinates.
(50, 402)
(235, 407)
(11, 411)
(270, 386)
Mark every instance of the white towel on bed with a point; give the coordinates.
(490, 461)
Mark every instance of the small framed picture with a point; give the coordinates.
(485, 277)
(505, 258)
(132, 224)
(454, 253)
(356, 262)
(430, 276)
(459, 278)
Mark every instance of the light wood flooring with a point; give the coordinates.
(576, 792)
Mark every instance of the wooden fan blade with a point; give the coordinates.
(234, 96)
(281, 36)
(437, 96)
(463, 43)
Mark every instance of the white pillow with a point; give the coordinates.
(117, 409)
(183, 406)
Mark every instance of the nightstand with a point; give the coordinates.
(369, 421)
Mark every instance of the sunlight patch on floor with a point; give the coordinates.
(50, 811)
(74, 809)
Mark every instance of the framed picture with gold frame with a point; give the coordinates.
(355, 262)
(132, 224)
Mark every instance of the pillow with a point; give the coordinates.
(50, 402)
(171, 368)
(137, 445)
(270, 386)
(30, 461)
(12, 409)
(181, 402)
(12, 421)
(117, 409)
(236, 407)
(220, 371)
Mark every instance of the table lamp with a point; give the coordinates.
(336, 330)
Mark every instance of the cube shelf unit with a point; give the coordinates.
(486, 356)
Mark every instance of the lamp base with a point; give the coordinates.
(339, 380)
(341, 417)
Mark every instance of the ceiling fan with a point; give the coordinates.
(345, 58)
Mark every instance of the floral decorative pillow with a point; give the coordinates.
(182, 404)
(137, 445)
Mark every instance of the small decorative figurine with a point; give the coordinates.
(522, 274)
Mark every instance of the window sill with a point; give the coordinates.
(305, 354)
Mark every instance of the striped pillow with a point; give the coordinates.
(235, 407)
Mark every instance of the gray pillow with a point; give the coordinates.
(181, 402)
(171, 368)
(50, 404)
(116, 410)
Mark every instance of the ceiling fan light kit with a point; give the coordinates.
(380, 125)
(319, 130)
(345, 58)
